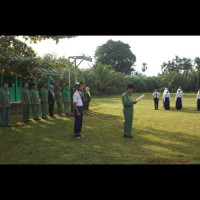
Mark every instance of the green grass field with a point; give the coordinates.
(160, 137)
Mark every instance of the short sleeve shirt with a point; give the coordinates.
(5, 98)
(77, 98)
(35, 96)
(26, 95)
(156, 94)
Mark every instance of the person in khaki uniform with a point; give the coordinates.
(25, 97)
(44, 100)
(35, 101)
(59, 100)
(128, 110)
(4, 106)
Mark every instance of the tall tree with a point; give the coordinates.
(117, 54)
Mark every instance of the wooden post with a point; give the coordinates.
(15, 88)
(48, 81)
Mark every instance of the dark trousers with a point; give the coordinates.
(156, 103)
(78, 120)
(167, 104)
(51, 109)
(198, 104)
(178, 103)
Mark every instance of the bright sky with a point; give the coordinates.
(153, 50)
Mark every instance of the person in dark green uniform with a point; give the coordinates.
(128, 110)
(34, 94)
(59, 99)
(4, 106)
(25, 97)
(66, 99)
(44, 100)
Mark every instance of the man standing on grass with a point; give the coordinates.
(44, 100)
(4, 106)
(156, 99)
(128, 110)
(35, 102)
(59, 100)
(78, 110)
(25, 97)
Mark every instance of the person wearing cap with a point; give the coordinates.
(198, 100)
(156, 98)
(44, 100)
(66, 99)
(78, 110)
(51, 100)
(128, 110)
(34, 94)
(178, 99)
(26, 101)
(166, 99)
(59, 100)
(4, 105)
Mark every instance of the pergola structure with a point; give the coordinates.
(75, 58)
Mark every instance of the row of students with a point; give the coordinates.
(167, 98)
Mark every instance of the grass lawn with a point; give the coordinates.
(160, 137)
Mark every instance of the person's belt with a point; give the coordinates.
(128, 106)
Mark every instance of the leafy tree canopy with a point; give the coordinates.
(117, 54)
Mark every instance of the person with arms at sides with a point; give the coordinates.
(178, 99)
(166, 99)
(88, 98)
(59, 100)
(78, 110)
(4, 105)
(34, 94)
(72, 90)
(163, 96)
(44, 100)
(156, 98)
(66, 99)
(51, 100)
(128, 110)
(26, 101)
(198, 100)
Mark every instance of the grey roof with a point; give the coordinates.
(47, 71)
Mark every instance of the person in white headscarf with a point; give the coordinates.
(181, 91)
(163, 95)
(51, 100)
(178, 99)
(166, 99)
(198, 100)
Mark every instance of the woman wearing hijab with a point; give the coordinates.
(51, 100)
(166, 99)
(66, 99)
(198, 100)
(178, 99)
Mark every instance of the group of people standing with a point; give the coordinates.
(32, 97)
(167, 98)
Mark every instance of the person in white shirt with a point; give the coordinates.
(178, 99)
(181, 91)
(156, 98)
(198, 100)
(78, 110)
(163, 95)
(166, 99)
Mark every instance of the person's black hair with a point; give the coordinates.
(25, 83)
(4, 83)
(130, 86)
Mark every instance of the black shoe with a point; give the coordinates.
(128, 136)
